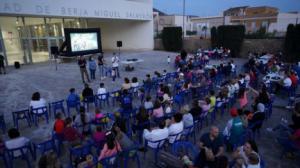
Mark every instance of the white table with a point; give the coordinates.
(264, 59)
(131, 62)
(273, 77)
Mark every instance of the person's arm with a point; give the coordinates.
(147, 134)
(253, 90)
(220, 152)
(103, 151)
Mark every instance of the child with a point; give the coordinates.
(169, 59)
(113, 74)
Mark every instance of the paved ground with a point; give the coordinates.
(17, 87)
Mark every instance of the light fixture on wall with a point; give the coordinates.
(78, 22)
(17, 21)
(35, 27)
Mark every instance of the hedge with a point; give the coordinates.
(172, 38)
(292, 43)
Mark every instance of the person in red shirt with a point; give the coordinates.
(294, 79)
(59, 124)
(71, 134)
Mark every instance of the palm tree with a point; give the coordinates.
(204, 28)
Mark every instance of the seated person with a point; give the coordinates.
(101, 91)
(148, 103)
(83, 120)
(126, 101)
(158, 111)
(205, 105)
(99, 135)
(73, 98)
(111, 147)
(59, 124)
(196, 110)
(98, 114)
(124, 141)
(244, 151)
(71, 134)
(37, 101)
(156, 134)
(120, 122)
(141, 117)
(126, 85)
(212, 98)
(187, 117)
(175, 127)
(134, 82)
(15, 141)
(87, 92)
(212, 147)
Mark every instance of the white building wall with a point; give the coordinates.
(283, 20)
(135, 35)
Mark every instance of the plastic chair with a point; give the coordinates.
(21, 115)
(71, 105)
(115, 95)
(131, 154)
(175, 136)
(57, 106)
(102, 98)
(36, 113)
(21, 152)
(159, 145)
(44, 147)
(80, 151)
(188, 132)
(89, 100)
(59, 140)
(2, 124)
(186, 147)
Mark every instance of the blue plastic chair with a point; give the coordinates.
(175, 136)
(188, 132)
(80, 151)
(178, 100)
(21, 115)
(21, 152)
(2, 124)
(59, 140)
(3, 156)
(36, 113)
(185, 147)
(57, 106)
(44, 147)
(131, 154)
(106, 162)
(159, 146)
(115, 95)
(102, 98)
(71, 105)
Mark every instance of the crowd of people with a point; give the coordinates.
(164, 114)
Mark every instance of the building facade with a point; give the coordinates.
(202, 25)
(29, 28)
(253, 18)
(283, 20)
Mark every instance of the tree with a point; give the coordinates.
(289, 42)
(172, 38)
(213, 37)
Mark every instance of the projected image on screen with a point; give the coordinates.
(83, 41)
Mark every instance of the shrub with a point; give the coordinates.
(292, 43)
(231, 36)
(213, 37)
(172, 38)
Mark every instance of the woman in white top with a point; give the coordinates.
(134, 82)
(37, 101)
(16, 141)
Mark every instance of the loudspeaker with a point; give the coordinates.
(54, 50)
(119, 43)
(17, 65)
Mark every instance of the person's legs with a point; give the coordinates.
(93, 73)
(81, 73)
(86, 74)
(201, 160)
(117, 71)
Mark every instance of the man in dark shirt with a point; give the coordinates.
(101, 65)
(2, 67)
(87, 92)
(212, 147)
(82, 66)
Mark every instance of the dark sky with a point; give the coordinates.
(216, 7)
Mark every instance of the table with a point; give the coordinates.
(210, 66)
(130, 62)
(273, 77)
(264, 59)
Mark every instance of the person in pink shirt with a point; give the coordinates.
(99, 135)
(98, 114)
(242, 97)
(110, 148)
(158, 111)
(205, 105)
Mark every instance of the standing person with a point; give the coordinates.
(169, 60)
(2, 64)
(92, 67)
(115, 64)
(101, 65)
(83, 71)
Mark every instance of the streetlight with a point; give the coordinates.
(183, 22)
